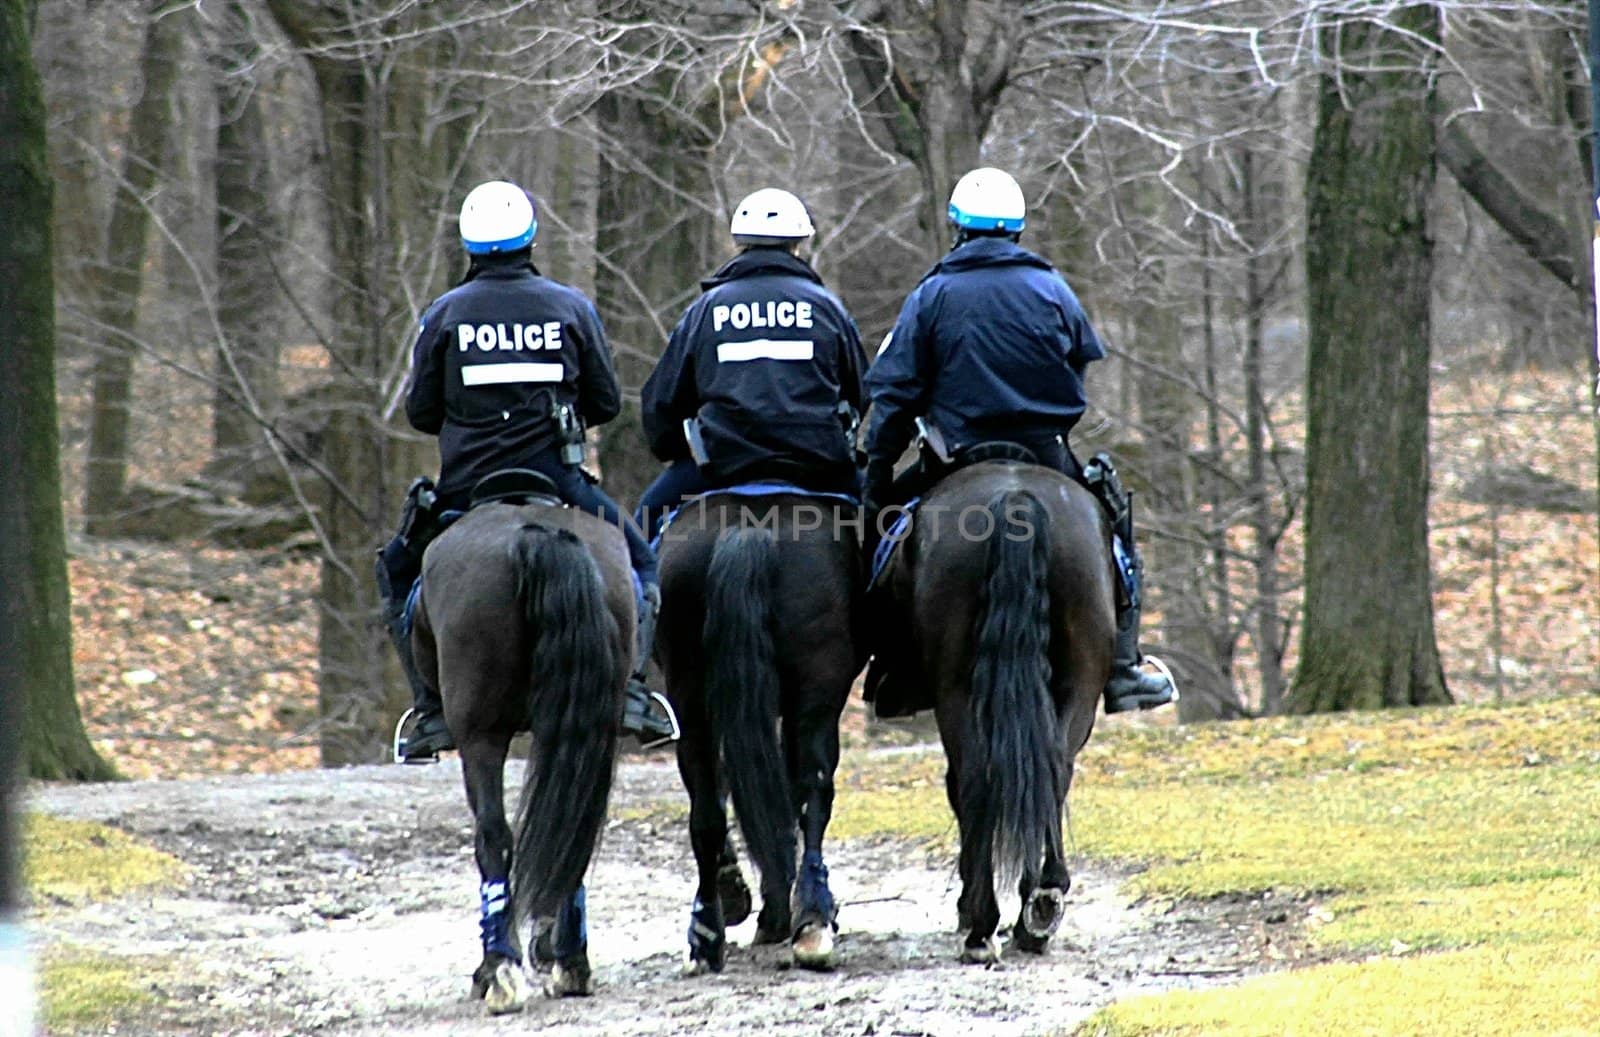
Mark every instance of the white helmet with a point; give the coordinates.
(497, 217)
(987, 199)
(770, 215)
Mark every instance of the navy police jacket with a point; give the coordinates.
(763, 359)
(494, 355)
(992, 344)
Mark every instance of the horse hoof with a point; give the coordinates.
(734, 894)
(504, 991)
(1024, 941)
(1042, 914)
(544, 952)
(984, 952)
(812, 947)
(764, 936)
(701, 967)
(565, 981)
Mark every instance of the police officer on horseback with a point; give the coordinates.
(991, 347)
(508, 369)
(762, 377)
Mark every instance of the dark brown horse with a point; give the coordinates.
(1007, 581)
(525, 623)
(758, 645)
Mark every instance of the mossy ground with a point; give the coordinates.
(1455, 850)
(71, 863)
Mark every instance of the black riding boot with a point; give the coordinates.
(1129, 686)
(426, 736)
(646, 714)
(892, 675)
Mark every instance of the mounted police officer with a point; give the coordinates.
(992, 346)
(508, 368)
(761, 377)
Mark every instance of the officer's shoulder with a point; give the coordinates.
(566, 292)
(445, 299)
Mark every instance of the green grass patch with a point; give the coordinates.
(1466, 831)
(74, 862)
(1552, 991)
(1383, 832)
(81, 990)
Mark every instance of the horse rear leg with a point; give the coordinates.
(813, 759)
(568, 948)
(1044, 905)
(498, 979)
(978, 911)
(708, 835)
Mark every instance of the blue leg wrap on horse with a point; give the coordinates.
(495, 921)
(571, 933)
(704, 942)
(811, 886)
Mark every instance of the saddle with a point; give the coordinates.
(754, 489)
(939, 463)
(895, 686)
(515, 486)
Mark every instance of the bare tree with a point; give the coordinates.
(247, 385)
(932, 76)
(1369, 637)
(378, 95)
(117, 290)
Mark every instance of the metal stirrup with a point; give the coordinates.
(672, 719)
(1160, 664)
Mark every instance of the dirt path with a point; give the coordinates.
(345, 902)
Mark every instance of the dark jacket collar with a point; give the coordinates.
(753, 262)
(975, 253)
(499, 267)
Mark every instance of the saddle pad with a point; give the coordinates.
(892, 537)
(411, 605)
(774, 489)
(755, 490)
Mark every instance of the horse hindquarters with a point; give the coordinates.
(574, 698)
(1011, 765)
(742, 697)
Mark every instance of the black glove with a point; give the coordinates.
(419, 523)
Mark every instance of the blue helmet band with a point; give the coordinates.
(970, 222)
(485, 248)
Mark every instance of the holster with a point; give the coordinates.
(419, 518)
(1100, 476)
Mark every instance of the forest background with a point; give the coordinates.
(255, 199)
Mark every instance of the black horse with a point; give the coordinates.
(525, 623)
(1007, 581)
(757, 634)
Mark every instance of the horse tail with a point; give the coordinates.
(572, 710)
(1011, 764)
(742, 693)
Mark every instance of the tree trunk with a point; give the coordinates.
(653, 249)
(353, 701)
(375, 101)
(1270, 636)
(1368, 636)
(247, 356)
(932, 88)
(35, 614)
(68, 66)
(116, 307)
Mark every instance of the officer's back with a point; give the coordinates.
(762, 360)
(497, 355)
